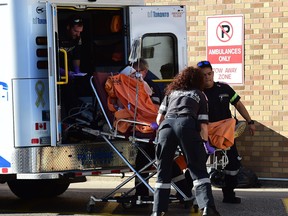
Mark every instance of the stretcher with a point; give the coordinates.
(109, 133)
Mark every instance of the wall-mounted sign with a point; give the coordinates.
(225, 48)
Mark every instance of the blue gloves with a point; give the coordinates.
(62, 72)
(71, 74)
(208, 148)
(154, 125)
(77, 69)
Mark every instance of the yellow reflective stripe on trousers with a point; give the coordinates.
(162, 185)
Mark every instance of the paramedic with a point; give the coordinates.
(220, 95)
(183, 121)
(70, 40)
(141, 66)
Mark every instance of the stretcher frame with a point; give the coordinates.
(126, 200)
(218, 160)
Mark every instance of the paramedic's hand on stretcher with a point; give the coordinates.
(208, 147)
(154, 126)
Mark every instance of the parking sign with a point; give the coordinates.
(225, 48)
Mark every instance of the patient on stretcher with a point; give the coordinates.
(130, 71)
(129, 98)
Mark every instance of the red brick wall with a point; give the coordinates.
(265, 93)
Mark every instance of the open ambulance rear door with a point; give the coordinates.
(51, 17)
(161, 31)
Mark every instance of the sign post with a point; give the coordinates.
(225, 48)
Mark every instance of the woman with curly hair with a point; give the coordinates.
(183, 121)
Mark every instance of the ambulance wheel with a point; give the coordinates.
(31, 189)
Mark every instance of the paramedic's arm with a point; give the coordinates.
(204, 131)
(244, 113)
(159, 118)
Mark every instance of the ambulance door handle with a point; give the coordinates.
(65, 77)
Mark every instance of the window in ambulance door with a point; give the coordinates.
(160, 51)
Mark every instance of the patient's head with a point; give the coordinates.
(141, 65)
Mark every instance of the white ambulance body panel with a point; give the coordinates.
(7, 68)
(27, 85)
(33, 128)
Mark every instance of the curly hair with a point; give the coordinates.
(188, 79)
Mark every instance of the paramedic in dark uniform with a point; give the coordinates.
(183, 121)
(70, 40)
(220, 96)
(141, 65)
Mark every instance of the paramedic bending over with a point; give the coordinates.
(183, 119)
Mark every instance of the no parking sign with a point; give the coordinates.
(225, 48)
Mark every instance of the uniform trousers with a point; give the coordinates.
(183, 132)
(231, 170)
(177, 174)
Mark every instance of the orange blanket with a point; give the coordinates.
(221, 133)
(124, 88)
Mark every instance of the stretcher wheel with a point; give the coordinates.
(128, 205)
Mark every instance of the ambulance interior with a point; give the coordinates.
(106, 48)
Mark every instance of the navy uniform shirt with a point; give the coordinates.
(157, 92)
(192, 103)
(72, 47)
(220, 96)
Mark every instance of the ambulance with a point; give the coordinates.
(41, 151)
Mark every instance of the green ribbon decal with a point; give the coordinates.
(39, 87)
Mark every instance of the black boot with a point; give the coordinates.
(229, 196)
(209, 211)
(228, 191)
